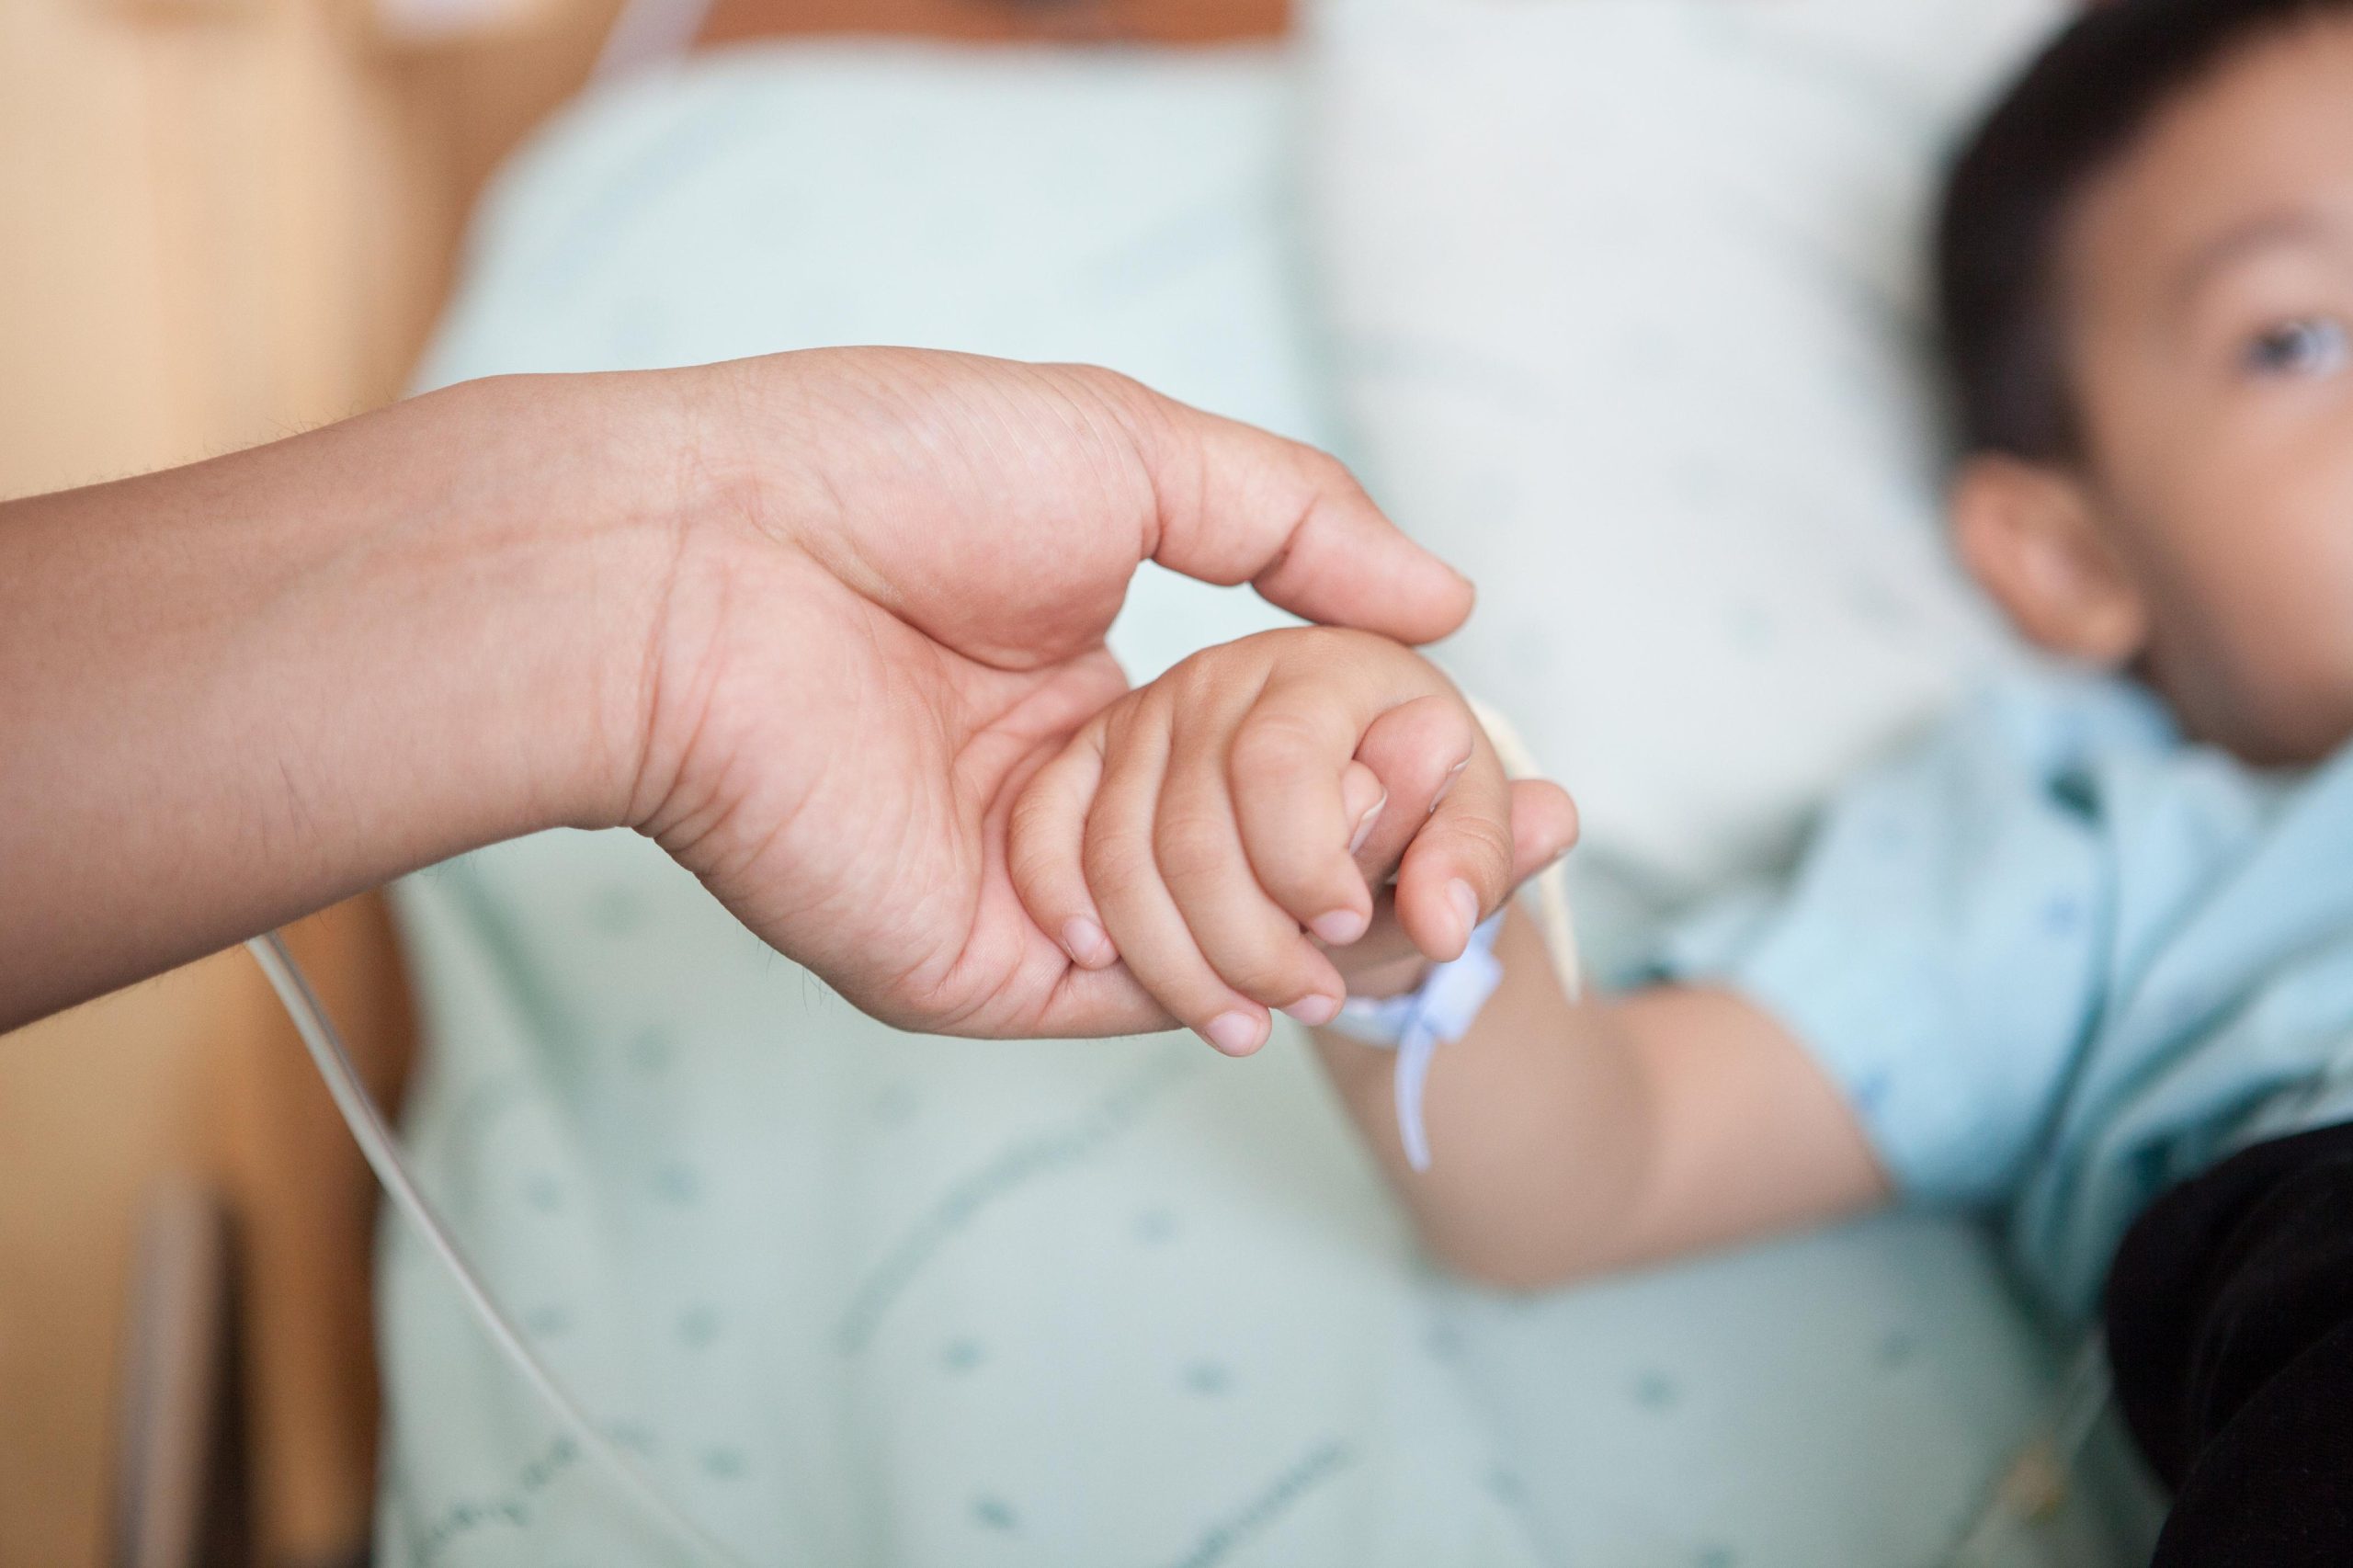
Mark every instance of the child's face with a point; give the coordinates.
(2206, 297)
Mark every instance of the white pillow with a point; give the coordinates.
(1630, 321)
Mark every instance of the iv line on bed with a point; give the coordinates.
(2029, 1487)
(374, 1136)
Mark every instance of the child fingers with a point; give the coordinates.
(1459, 866)
(1144, 924)
(1417, 749)
(1253, 944)
(1543, 827)
(1382, 948)
(1288, 774)
(1045, 843)
(1362, 799)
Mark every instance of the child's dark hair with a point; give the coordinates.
(2078, 108)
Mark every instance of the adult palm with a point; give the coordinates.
(894, 610)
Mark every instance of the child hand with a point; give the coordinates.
(1226, 832)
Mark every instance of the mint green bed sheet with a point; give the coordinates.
(850, 1295)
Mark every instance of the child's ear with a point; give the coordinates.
(2030, 533)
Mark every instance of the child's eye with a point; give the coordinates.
(2313, 347)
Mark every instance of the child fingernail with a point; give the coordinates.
(1087, 942)
(1236, 1034)
(1314, 1011)
(1447, 788)
(1465, 903)
(1364, 823)
(1338, 927)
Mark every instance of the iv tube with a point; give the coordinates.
(375, 1139)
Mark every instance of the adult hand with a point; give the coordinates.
(893, 612)
(808, 619)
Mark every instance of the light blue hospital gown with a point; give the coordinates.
(2058, 959)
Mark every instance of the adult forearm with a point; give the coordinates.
(234, 692)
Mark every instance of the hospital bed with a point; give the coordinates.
(276, 1233)
(1846, 1398)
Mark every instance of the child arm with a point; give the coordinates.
(1204, 827)
(1573, 1139)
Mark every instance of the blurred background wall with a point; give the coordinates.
(221, 221)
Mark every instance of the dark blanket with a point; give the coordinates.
(2229, 1327)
